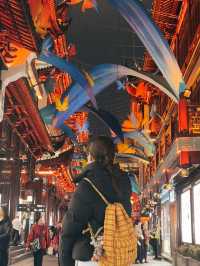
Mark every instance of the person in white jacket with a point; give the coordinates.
(17, 227)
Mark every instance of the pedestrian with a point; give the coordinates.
(140, 242)
(154, 241)
(54, 241)
(87, 206)
(59, 231)
(17, 229)
(145, 232)
(5, 231)
(26, 226)
(38, 239)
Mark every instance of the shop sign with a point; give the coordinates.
(5, 180)
(5, 183)
(30, 208)
(195, 121)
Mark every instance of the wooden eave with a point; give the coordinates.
(29, 124)
(16, 19)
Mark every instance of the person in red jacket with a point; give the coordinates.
(54, 241)
(38, 239)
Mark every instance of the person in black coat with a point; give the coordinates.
(87, 207)
(5, 230)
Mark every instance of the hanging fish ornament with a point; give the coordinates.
(120, 85)
(86, 4)
(83, 128)
(61, 106)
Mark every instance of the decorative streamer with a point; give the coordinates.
(85, 81)
(151, 37)
(133, 156)
(68, 132)
(138, 136)
(120, 85)
(103, 76)
(142, 140)
(84, 128)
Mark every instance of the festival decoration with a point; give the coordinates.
(120, 85)
(87, 4)
(130, 88)
(142, 140)
(46, 17)
(83, 79)
(68, 132)
(135, 15)
(61, 106)
(137, 156)
(103, 76)
(83, 128)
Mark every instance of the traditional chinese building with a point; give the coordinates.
(175, 166)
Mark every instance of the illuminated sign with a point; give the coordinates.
(194, 120)
(30, 208)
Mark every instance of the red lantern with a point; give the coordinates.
(131, 90)
(184, 159)
(183, 116)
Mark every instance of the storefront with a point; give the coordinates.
(168, 223)
(189, 198)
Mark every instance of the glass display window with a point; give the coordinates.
(196, 198)
(186, 220)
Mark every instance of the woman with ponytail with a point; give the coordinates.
(86, 207)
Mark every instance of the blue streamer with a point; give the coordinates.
(69, 133)
(103, 76)
(151, 37)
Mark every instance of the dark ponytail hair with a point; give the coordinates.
(102, 149)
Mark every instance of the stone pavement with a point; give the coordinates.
(49, 261)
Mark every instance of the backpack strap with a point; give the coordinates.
(97, 191)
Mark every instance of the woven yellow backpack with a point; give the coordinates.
(119, 237)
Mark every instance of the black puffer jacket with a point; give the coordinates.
(86, 206)
(5, 229)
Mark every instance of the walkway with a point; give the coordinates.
(53, 262)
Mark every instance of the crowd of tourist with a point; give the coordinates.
(40, 239)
